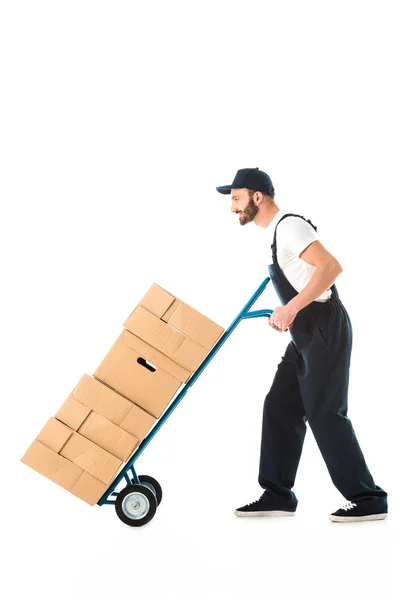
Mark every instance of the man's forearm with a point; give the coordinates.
(321, 280)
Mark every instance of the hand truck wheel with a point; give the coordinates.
(135, 505)
(152, 484)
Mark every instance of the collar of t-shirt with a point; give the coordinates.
(272, 225)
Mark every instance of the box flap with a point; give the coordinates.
(138, 422)
(51, 465)
(72, 413)
(90, 457)
(156, 300)
(88, 488)
(196, 326)
(102, 399)
(54, 435)
(108, 436)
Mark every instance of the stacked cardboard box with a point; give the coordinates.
(102, 426)
(163, 343)
(107, 415)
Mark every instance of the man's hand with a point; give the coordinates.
(282, 317)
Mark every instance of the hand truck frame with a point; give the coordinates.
(136, 503)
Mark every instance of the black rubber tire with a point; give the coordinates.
(149, 479)
(144, 491)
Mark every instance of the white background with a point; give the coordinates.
(118, 120)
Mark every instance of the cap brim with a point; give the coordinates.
(224, 189)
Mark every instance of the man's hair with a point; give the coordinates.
(270, 197)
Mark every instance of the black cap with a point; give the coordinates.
(252, 179)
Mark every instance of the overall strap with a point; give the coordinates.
(273, 245)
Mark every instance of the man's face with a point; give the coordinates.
(243, 205)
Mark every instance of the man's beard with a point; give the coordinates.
(248, 213)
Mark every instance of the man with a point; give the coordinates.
(311, 381)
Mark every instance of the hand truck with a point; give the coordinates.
(137, 502)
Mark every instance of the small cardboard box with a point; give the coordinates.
(141, 373)
(165, 338)
(97, 428)
(49, 463)
(43, 456)
(183, 317)
(81, 452)
(103, 400)
(90, 457)
(63, 472)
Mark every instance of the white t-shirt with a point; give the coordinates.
(292, 237)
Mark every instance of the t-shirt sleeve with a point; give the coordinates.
(295, 234)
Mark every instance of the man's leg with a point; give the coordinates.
(283, 431)
(324, 388)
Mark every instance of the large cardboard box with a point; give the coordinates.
(72, 461)
(165, 338)
(180, 315)
(141, 373)
(97, 396)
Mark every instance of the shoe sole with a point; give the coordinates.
(363, 518)
(265, 513)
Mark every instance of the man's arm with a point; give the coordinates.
(327, 270)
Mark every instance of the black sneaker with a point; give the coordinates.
(266, 507)
(364, 510)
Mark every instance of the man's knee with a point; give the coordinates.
(273, 404)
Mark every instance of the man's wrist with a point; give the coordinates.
(295, 304)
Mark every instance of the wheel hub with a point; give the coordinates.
(135, 505)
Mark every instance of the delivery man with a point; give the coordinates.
(311, 381)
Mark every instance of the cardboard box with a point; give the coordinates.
(106, 416)
(63, 472)
(78, 450)
(91, 458)
(96, 395)
(183, 317)
(165, 338)
(88, 488)
(141, 373)
(49, 463)
(97, 428)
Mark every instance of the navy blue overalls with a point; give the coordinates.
(311, 384)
